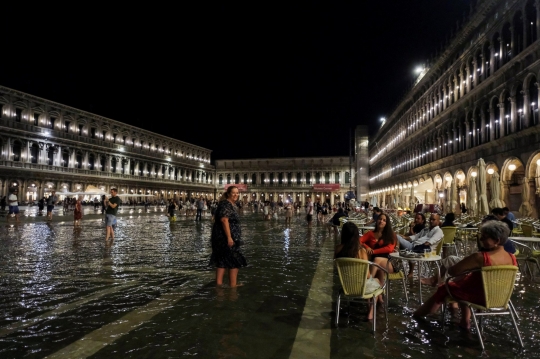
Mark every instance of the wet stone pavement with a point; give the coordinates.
(65, 293)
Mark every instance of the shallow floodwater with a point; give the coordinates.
(64, 293)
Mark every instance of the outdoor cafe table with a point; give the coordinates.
(420, 260)
(526, 239)
(534, 240)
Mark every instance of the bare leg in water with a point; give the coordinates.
(233, 275)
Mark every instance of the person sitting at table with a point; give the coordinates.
(453, 260)
(376, 213)
(350, 248)
(379, 243)
(509, 214)
(501, 216)
(428, 238)
(449, 220)
(335, 219)
(417, 225)
(493, 237)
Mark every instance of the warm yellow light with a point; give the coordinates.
(490, 171)
(474, 174)
(512, 167)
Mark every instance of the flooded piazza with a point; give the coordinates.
(151, 294)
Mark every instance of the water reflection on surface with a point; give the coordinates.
(150, 294)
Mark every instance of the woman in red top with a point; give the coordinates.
(493, 236)
(379, 243)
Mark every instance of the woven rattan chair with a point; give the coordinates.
(448, 239)
(399, 274)
(527, 230)
(525, 255)
(353, 277)
(498, 282)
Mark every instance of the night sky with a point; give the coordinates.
(253, 80)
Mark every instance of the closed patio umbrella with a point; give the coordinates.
(426, 197)
(525, 209)
(496, 201)
(412, 200)
(483, 209)
(471, 196)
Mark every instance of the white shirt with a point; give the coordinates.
(12, 197)
(310, 208)
(432, 236)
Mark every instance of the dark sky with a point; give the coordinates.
(253, 80)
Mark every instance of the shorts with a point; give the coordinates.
(110, 220)
(13, 210)
(309, 217)
(50, 207)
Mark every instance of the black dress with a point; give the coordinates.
(224, 256)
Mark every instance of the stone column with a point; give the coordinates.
(473, 140)
(42, 156)
(513, 114)
(502, 119)
(444, 104)
(58, 154)
(492, 123)
(513, 44)
(492, 58)
(455, 90)
(461, 84)
(483, 67)
(526, 119)
(506, 192)
(85, 160)
(475, 79)
(468, 81)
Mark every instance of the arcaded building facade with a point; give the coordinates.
(47, 145)
(293, 179)
(478, 99)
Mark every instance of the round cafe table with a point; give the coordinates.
(420, 260)
(526, 239)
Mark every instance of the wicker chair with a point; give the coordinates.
(353, 277)
(449, 235)
(527, 230)
(498, 282)
(525, 255)
(398, 274)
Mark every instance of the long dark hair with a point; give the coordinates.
(388, 236)
(350, 239)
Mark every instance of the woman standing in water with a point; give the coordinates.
(226, 234)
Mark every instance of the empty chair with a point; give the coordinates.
(448, 239)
